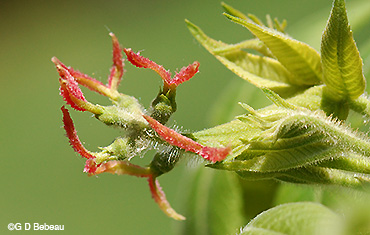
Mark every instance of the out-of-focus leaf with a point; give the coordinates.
(297, 57)
(226, 107)
(296, 218)
(342, 64)
(259, 231)
(365, 53)
(225, 204)
(214, 205)
(287, 193)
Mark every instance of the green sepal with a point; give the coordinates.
(165, 161)
(297, 57)
(163, 106)
(341, 61)
(120, 149)
(126, 112)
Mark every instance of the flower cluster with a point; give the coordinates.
(143, 129)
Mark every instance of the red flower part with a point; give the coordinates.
(87, 81)
(69, 89)
(142, 62)
(72, 135)
(126, 168)
(90, 166)
(123, 168)
(185, 73)
(116, 71)
(160, 198)
(56, 61)
(84, 79)
(214, 154)
(172, 137)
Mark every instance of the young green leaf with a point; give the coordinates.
(349, 161)
(342, 64)
(290, 143)
(232, 11)
(261, 71)
(295, 218)
(249, 127)
(274, 24)
(297, 57)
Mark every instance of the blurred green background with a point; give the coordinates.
(41, 176)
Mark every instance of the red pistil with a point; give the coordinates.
(69, 89)
(185, 73)
(116, 71)
(114, 78)
(172, 137)
(91, 167)
(141, 62)
(126, 168)
(72, 135)
(160, 198)
(81, 78)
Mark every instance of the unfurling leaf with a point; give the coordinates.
(292, 143)
(271, 24)
(232, 11)
(261, 71)
(297, 57)
(342, 64)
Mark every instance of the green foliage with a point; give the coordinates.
(261, 71)
(295, 218)
(342, 64)
(304, 137)
(302, 61)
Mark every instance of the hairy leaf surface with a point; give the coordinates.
(297, 57)
(261, 71)
(342, 64)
